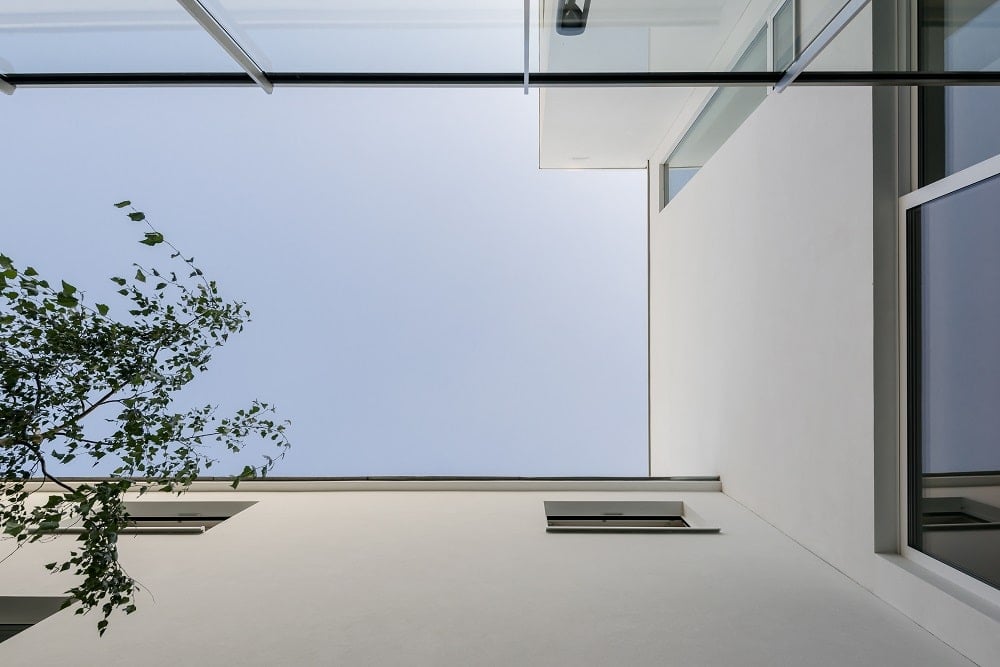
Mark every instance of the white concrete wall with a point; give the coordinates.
(761, 307)
(471, 578)
(760, 287)
(761, 340)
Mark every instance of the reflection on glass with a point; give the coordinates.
(652, 36)
(959, 126)
(677, 178)
(381, 35)
(725, 111)
(783, 36)
(955, 379)
(814, 15)
(72, 36)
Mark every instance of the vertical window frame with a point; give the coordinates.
(909, 375)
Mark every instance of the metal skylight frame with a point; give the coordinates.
(217, 31)
(825, 36)
(507, 80)
(254, 73)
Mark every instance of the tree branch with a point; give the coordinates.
(73, 437)
(45, 472)
(184, 259)
(38, 394)
(72, 420)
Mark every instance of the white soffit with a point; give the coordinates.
(619, 128)
(604, 128)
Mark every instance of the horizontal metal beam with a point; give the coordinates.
(223, 38)
(512, 79)
(536, 79)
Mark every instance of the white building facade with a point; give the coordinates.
(822, 330)
(452, 573)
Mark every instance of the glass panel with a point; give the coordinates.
(814, 15)
(677, 178)
(783, 36)
(955, 379)
(73, 36)
(380, 35)
(677, 35)
(725, 111)
(959, 126)
(664, 36)
(851, 50)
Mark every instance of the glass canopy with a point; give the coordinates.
(486, 42)
(654, 52)
(105, 36)
(378, 35)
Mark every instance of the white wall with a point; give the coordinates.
(761, 340)
(761, 300)
(471, 578)
(616, 128)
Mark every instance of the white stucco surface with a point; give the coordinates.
(761, 337)
(471, 578)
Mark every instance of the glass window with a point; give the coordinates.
(100, 36)
(675, 178)
(724, 113)
(959, 126)
(17, 614)
(954, 379)
(783, 34)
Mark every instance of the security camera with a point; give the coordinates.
(570, 19)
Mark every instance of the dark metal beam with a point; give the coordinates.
(513, 79)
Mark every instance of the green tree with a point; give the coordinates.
(78, 382)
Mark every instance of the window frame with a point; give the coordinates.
(26, 611)
(967, 177)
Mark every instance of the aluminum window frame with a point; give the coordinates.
(624, 516)
(967, 177)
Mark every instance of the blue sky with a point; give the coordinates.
(426, 301)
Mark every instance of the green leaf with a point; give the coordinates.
(144, 435)
(66, 300)
(123, 204)
(137, 216)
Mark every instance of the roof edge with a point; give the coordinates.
(334, 484)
